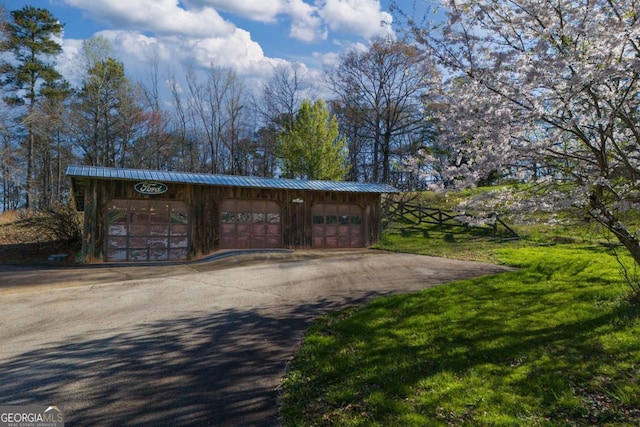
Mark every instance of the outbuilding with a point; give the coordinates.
(148, 215)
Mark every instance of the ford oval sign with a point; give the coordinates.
(150, 187)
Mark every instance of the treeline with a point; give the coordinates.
(202, 121)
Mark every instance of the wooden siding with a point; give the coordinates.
(204, 204)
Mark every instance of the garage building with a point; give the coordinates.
(146, 215)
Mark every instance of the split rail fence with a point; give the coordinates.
(418, 214)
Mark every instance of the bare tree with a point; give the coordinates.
(237, 134)
(276, 106)
(207, 101)
(104, 112)
(187, 146)
(157, 143)
(380, 92)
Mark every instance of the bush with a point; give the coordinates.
(60, 223)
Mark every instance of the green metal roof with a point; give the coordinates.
(97, 172)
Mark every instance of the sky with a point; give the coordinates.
(250, 36)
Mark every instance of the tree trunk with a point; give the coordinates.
(607, 218)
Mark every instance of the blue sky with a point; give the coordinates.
(250, 36)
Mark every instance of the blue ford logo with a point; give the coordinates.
(150, 187)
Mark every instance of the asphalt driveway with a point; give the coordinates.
(185, 345)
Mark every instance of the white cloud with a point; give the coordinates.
(306, 24)
(256, 10)
(174, 34)
(193, 32)
(236, 51)
(158, 16)
(361, 17)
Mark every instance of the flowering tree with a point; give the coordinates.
(545, 85)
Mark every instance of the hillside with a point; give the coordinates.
(28, 239)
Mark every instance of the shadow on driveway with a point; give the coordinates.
(189, 345)
(212, 369)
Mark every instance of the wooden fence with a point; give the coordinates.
(418, 214)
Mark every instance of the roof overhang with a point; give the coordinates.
(78, 173)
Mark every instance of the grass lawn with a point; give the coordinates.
(556, 343)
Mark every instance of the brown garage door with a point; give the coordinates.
(147, 230)
(250, 224)
(337, 226)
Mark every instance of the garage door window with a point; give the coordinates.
(337, 226)
(248, 224)
(147, 230)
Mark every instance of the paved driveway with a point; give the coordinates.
(186, 345)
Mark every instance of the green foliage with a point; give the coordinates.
(30, 39)
(554, 343)
(310, 148)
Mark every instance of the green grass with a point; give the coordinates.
(555, 343)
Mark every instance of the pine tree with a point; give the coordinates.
(27, 75)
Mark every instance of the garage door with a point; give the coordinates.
(147, 230)
(337, 226)
(250, 224)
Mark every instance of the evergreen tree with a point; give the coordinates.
(27, 75)
(311, 147)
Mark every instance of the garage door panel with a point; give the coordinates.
(140, 218)
(259, 230)
(157, 243)
(179, 242)
(247, 224)
(274, 230)
(138, 255)
(140, 230)
(158, 255)
(259, 242)
(243, 242)
(330, 230)
(159, 230)
(138, 242)
(178, 253)
(331, 242)
(274, 241)
(337, 226)
(117, 255)
(179, 230)
(117, 242)
(118, 217)
(227, 241)
(117, 230)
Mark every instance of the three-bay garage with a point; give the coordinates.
(143, 215)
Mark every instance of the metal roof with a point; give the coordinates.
(226, 180)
